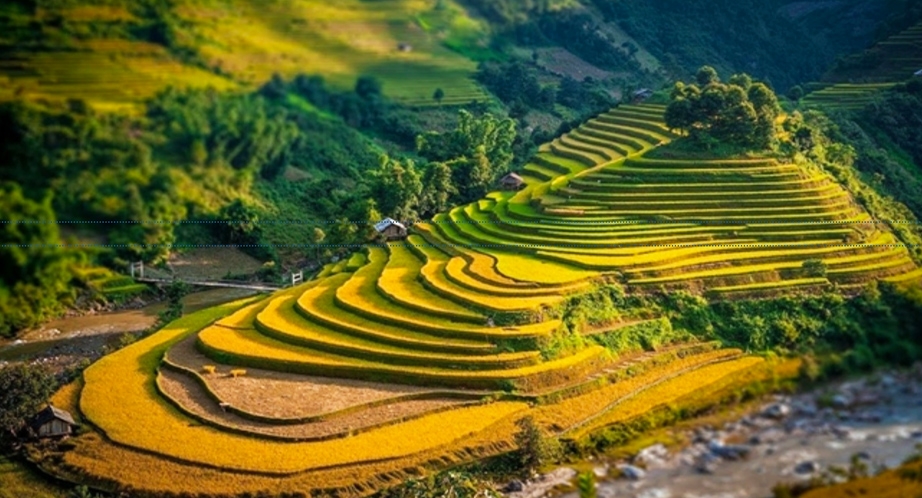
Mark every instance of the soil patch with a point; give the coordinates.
(212, 263)
(193, 398)
(285, 395)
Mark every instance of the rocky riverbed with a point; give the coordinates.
(874, 423)
(64, 342)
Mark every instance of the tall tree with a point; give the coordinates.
(706, 75)
(742, 112)
(36, 276)
(476, 151)
(397, 186)
(25, 389)
(438, 190)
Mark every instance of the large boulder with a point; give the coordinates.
(776, 411)
(806, 467)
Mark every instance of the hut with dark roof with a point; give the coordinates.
(511, 181)
(52, 422)
(391, 229)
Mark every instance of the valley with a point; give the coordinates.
(560, 248)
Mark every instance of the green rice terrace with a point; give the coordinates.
(241, 44)
(425, 353)
(894, 60)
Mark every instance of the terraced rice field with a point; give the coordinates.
(249, 41)
(424, 353)
(899, 56)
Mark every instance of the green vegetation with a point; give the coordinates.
(21, 479)
(26, 389)
(584, 305)
(741, 112)
(37, 279)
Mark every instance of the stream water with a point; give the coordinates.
(60, 341)
(875, 421)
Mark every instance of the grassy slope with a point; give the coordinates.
(19, 480)
(94, 56)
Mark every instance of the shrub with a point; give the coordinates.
(585, 483)
(209, 369)
(535, 448)
(238, 373)
(814, 268)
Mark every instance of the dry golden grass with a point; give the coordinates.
(285, 395)
(193, 400)
(664, 393)
(120, 399)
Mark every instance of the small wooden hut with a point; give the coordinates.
(52, 422)
(391, 229)
(511, 181)
(641, 95)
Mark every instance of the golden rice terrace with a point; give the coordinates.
(427, 353)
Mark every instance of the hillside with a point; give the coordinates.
(115, 53)
(468, 325)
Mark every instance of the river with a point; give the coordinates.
(64, 341)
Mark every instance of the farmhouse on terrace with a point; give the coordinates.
(641, 95)
(391, 229)
(511, 181)
(51, 422)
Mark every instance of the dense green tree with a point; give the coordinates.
(35, 283)
(368, 87)
(535, 449)
(397, 187)
(25, 389)
(476, 151)
(438, 189)
(318, 236)
(241, 222)
(706, 75)
(238, 131)
(742, 112)
(742, 80)
(438, 95)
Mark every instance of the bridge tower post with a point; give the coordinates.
(137, 269)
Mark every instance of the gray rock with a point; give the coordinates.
(631, 472)
(706, 463)
(514, 487)
(840, 431)
(652, 455)
(776, 411)
(728, 451)
(806, 467)
(871, 417)
(841, 401)
(600, 472)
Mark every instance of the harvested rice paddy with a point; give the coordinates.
(423, 353)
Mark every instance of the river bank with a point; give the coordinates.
(862, 425)
(66, 341)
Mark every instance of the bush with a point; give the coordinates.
(814, 268)
(535, 448)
